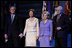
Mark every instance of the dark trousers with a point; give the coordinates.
(60, 42)
(22, 42)
(13, 41)
(16, 42)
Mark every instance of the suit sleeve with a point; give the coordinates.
(51, 28)
(6, 26)
(40, 29)
(67, 22)
(21, 25)
(37, 27)
(54, 25)
(25, 30)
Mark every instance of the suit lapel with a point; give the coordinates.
(55, 18)
(9, 19)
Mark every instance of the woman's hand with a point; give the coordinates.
(50, 38)
(36, 37)
(39, 39)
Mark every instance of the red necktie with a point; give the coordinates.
(58, 17)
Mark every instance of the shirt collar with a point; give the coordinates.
(60, 14)
(12, 14)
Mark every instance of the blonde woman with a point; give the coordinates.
(45, 33)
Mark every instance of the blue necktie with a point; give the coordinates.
(11, 19)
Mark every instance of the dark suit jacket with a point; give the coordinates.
(15, 28)
(63, 23)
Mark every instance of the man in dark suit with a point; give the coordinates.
(60, 23)
(13, 28)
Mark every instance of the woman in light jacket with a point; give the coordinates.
(45, 32)
(31, 30)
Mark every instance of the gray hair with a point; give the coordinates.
(61, 8)
(12, 6)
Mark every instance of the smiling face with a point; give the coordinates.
(12, 10)
(45, 16)
(31, 13)
(59, 9)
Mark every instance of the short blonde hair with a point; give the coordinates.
(45, 12)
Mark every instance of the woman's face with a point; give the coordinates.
(45, 16)
(31, 13)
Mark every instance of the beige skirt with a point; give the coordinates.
(30, 39)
